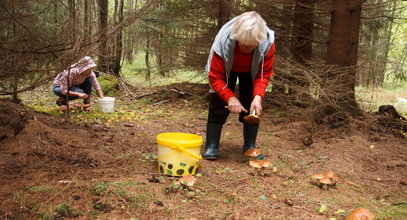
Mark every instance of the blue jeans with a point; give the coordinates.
(85, 87)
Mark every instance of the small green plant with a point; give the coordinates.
(124, 155)
(44, 215)
(99, 188)
(149, 156)
(43, 188)
(227, 169)
(322, 209)
(144, 101)
(63, 210)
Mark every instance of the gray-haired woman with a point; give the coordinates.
(244, 49)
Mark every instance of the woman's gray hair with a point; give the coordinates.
(249, 29)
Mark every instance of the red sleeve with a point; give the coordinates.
(217, 78)
(260, 83)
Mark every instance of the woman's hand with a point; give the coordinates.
(235, 106)
(100, 93)
(83, 95)
(256, 104)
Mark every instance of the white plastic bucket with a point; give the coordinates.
(107, 104)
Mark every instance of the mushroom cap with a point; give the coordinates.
(326, 181)
(265, 163)
(63, 108)
(253, 152)
(251, 119)
(360, 214)
(331, 175)
(187, 180)
(318, 176)
(255, 164)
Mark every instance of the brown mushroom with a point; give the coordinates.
(187, 180)
(253, 152)
(265, 163)
(255, 164)
(260, 165)
(318, 176)
(252, 118)
(63, 107)
(360, 214)
(331, 175)
(325, 179)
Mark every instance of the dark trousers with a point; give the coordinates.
(85, 87)
(217, 111)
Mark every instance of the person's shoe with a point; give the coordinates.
(249, 136)
(61, 101)
(86, 108)
(86, 104)
(213, 132)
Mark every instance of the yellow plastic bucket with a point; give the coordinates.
(178, 153)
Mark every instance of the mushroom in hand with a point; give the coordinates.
(252, 118)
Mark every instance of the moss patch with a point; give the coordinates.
(109, 85)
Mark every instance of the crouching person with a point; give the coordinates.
(81, 80)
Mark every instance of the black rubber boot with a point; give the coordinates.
(87, 100)
(249, 135)
(86, 103)
(213, 132)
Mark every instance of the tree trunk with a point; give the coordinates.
(343, 50)
(224, 12)
(159, 56)
(301, 49)
(119, 43)
(128, 48)
(147, 56)
(72, 20)
(14, 84)
(284, 35)
(103, 13)
(55, 15)
(86, 20)
(303, 31)
(382, 67)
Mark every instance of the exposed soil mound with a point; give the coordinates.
(38, 144)
(26, 142)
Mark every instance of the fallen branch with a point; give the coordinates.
(182, 92)
(145, 95)
(400, 203)
(161, 102)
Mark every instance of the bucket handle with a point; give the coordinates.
(185, 151)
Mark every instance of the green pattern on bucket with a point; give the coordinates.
(178, 153)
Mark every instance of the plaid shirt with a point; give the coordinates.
(75, 77)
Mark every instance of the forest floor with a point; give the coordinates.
(104, 166)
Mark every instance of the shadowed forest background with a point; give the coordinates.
(336, 63)
(40, 38)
